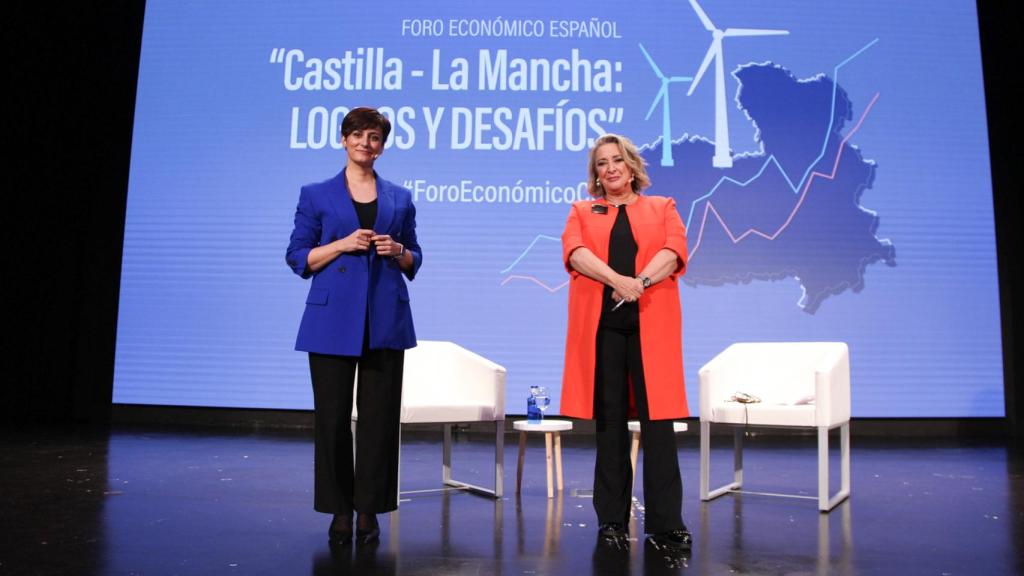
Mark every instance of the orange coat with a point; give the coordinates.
(655, 224)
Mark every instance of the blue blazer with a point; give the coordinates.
(353, 285)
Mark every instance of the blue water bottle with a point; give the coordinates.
(533, 413)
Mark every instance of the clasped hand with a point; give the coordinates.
(362, 238)
(626, 288)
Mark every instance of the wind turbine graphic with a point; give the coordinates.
(722, 158)
(662, 96)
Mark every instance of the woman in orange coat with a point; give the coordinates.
(624, 252)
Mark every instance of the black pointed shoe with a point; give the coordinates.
(614, 534)
(340, 531)
(673, 541)
(367, 529)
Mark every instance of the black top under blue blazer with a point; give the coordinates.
(357, 289)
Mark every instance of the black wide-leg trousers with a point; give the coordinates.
(619, 361)
(367, 481)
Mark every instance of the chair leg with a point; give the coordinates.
(547, 453)
(394, 529)
(826, 503)
(737, 457)
(823, 468)
(398, 485)
(519, 466)
(446, 455)
(844, 454)
(499, 458)
(353, 423)
(558, 459)
(499, 463)
(706, 493)
(844, 469)
(705, 460)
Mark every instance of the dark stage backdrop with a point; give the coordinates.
(853, 201)
(68, 103)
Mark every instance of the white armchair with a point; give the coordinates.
(444, 383)
(795, 385)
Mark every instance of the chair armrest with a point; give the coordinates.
(832, 386)
(481, 379)
(714, 388)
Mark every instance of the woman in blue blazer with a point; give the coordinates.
(355, 235)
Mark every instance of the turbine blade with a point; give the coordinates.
(704, 65)
(660, 95)
(680, 79)
(650, 61)
(702, 15)
(753, 32)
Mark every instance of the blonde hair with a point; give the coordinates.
(631, 156)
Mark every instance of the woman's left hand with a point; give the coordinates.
(630, 289)
(386, 246)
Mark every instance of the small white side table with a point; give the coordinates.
(552, 430)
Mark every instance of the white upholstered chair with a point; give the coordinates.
(798, 385)
(446, 384)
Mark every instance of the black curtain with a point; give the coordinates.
(1001, 24)
(71, 95)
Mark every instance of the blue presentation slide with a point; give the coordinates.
(829, 160)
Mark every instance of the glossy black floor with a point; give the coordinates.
(179, 501)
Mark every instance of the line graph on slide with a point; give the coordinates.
(523, 254)
(527, 277)
(772, 160)
(737, 233)
(709, 207)
(536, 281)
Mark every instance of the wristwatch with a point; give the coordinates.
(645, 280)
(400, 252)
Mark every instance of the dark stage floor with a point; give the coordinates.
(172, 501)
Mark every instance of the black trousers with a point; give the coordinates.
(369, 484)
(619, 361)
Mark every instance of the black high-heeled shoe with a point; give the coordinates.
(340, 531)
(367, 529)
(672, 542)
(614, 535)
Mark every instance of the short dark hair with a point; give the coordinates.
(363, 118)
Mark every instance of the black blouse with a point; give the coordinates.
(367, 213)
(622, 251)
